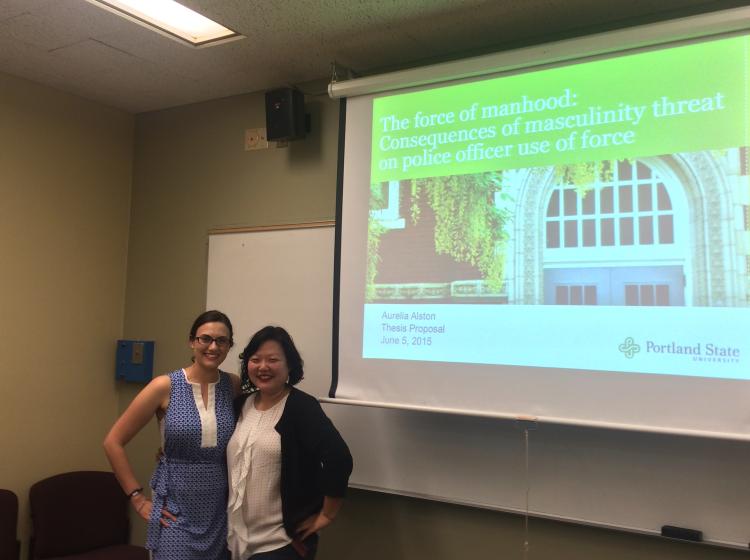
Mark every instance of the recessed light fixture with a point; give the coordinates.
(172, 19)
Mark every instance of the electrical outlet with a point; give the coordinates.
(255, 139)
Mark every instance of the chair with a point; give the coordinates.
(10, 546)
(81, 516)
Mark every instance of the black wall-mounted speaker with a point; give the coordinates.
(285, 114)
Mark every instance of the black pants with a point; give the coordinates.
(289, 552)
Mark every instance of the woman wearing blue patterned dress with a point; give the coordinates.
(187, 511)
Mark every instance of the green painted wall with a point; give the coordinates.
(65, 174)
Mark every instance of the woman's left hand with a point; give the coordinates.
(312, 524)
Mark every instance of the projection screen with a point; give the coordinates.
(564, 237)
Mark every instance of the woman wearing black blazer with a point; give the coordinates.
(288, 465)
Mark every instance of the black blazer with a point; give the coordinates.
(315, 460)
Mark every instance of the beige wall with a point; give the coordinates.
(65, 175)
(191, 175)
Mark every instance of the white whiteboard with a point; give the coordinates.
(627, 480)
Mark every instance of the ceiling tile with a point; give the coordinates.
(78, 47)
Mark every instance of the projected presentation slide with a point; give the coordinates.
(511, 218)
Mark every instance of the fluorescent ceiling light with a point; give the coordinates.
(167, 16)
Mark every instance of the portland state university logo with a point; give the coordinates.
(629, 347)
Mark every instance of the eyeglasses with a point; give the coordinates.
(205, 340)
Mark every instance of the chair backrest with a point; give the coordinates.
(76, 512)
(9, 544)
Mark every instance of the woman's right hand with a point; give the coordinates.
(145, 507)
(142, 506)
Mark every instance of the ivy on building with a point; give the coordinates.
(583, 176)
(375, 230)
(469, 226)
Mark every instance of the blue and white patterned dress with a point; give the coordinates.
(191, 478)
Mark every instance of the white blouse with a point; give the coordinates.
(256, 523)
(206, 411)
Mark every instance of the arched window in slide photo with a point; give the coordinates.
(614, 241)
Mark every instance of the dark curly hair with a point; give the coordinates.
(293, 359)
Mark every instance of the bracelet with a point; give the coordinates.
(135, 492)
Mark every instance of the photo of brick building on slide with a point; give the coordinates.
(672, 230)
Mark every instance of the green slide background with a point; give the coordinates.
(692, 72)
